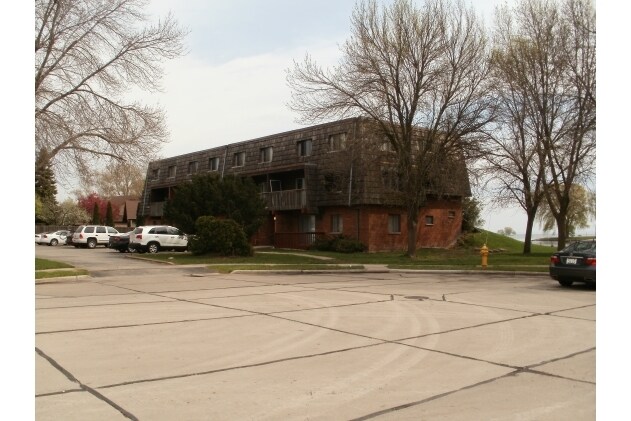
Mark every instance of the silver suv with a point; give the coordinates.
(153, 238)
(92, 235)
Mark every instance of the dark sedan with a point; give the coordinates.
(575, 263)
(120, 242)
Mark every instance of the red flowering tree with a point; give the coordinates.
(88, 202)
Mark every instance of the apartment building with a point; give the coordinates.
(337, 178)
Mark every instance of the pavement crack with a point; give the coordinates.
(429, 399)
(84, 387)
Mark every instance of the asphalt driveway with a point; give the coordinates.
(141, 340)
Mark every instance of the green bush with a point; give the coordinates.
(339, 244)
(222, 236)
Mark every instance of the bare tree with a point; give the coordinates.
(545, 58)
(406, 68)
(511, 156)
(116, 178)
(88, 55)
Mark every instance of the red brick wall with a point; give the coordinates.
(370, 224)
(373, 225)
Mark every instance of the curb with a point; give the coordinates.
(60, 279)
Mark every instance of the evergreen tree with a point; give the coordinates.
(45, 184)
(230, 197)
(96, 217)
(109, 217)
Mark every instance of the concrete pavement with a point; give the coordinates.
(154, 342)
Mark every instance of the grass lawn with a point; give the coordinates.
(45, 268)
(506, 254)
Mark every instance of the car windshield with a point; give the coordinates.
(581, 247)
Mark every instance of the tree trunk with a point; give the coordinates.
(412, 227)
(562, 231)
(529, 224)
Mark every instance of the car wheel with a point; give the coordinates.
(91, 243)
(121, 250)
(153, 247)
(566, 282)
(53, 242)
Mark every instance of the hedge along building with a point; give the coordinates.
(338, 178)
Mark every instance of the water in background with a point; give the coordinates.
(535, 237)
(538, 236)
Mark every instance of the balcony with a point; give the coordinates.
(285, 199)
(156, 208)
(296, 240)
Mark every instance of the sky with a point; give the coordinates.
(231, 85)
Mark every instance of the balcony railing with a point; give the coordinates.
(296, 240)
(285, 199)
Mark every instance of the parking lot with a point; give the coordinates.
(149, 341)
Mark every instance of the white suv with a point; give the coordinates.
(92, 235)
(153, 238)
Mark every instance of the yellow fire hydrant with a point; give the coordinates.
(484, 252)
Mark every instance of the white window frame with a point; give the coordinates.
(266, 154)
(213, 164)
(337, 142)
(238, 159)
(305, 147)
(337, 223)
(192, 167)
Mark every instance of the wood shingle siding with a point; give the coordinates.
(341, 165)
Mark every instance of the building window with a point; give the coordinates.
(337, 142)
(155, 174)
(265, 154)
(336, 223)
(171, 171)
(451, 214)
(391, 179)
(300, 183)
(386, 146)
(192, 167)
(304, 147)
(429, 220)
(238, 159)
(307, 223)
(394, 224)
(213, 164)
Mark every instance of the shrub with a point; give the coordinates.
(223, 236)
(339, 244)
(322, 244)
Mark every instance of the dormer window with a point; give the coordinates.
(304, 147)
(265, 154)
(238, 159)
(337, 142)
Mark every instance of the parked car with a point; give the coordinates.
(154, 238)
(120, 242)
(575, 263)
(92, 235)
(52, 238)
